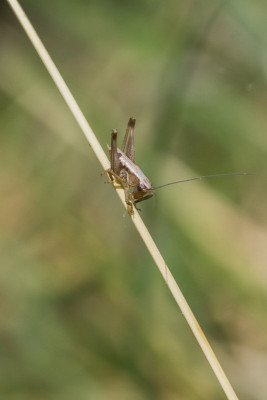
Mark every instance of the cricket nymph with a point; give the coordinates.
(137, 186)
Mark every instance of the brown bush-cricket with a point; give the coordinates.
(137, 187)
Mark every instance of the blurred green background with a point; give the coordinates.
(84, 312)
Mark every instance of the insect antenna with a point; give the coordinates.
(199, 178)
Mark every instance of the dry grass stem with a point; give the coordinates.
(145, 235)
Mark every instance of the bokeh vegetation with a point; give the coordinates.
(84, 312)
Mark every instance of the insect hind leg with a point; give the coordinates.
(148, 196)
(114, 157)
(128, 141)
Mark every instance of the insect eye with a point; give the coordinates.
(139, 188)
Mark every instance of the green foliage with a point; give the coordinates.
(84, 313)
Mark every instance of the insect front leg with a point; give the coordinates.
(126, 189)
(127, 200)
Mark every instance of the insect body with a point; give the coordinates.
(123, 169)
(137, 186)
